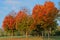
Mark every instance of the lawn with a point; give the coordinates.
(20, 38)
(29, 38)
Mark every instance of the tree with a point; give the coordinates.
(9, 23)
(51, 15)
(45, 15)
(23, 22)
(19, 17)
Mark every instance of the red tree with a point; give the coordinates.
(8, 22)
(44, 14)
(19, 17)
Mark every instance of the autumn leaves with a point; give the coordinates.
(43, 16)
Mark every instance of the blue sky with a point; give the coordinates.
(7, 6)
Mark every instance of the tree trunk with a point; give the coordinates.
(42, 35)
(48, 35)
(26, 35)
(45, 33)
(12, 32)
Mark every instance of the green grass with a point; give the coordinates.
(52, 38)
(31, 37)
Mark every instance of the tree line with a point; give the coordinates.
(41, 21)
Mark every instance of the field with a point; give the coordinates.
(19, 38)
(30, 38)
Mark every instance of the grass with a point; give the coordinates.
(20, 38)
(29, 38)
(52, 38)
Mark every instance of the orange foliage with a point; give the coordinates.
(46, 12)
(20, 15)
(8, 22)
